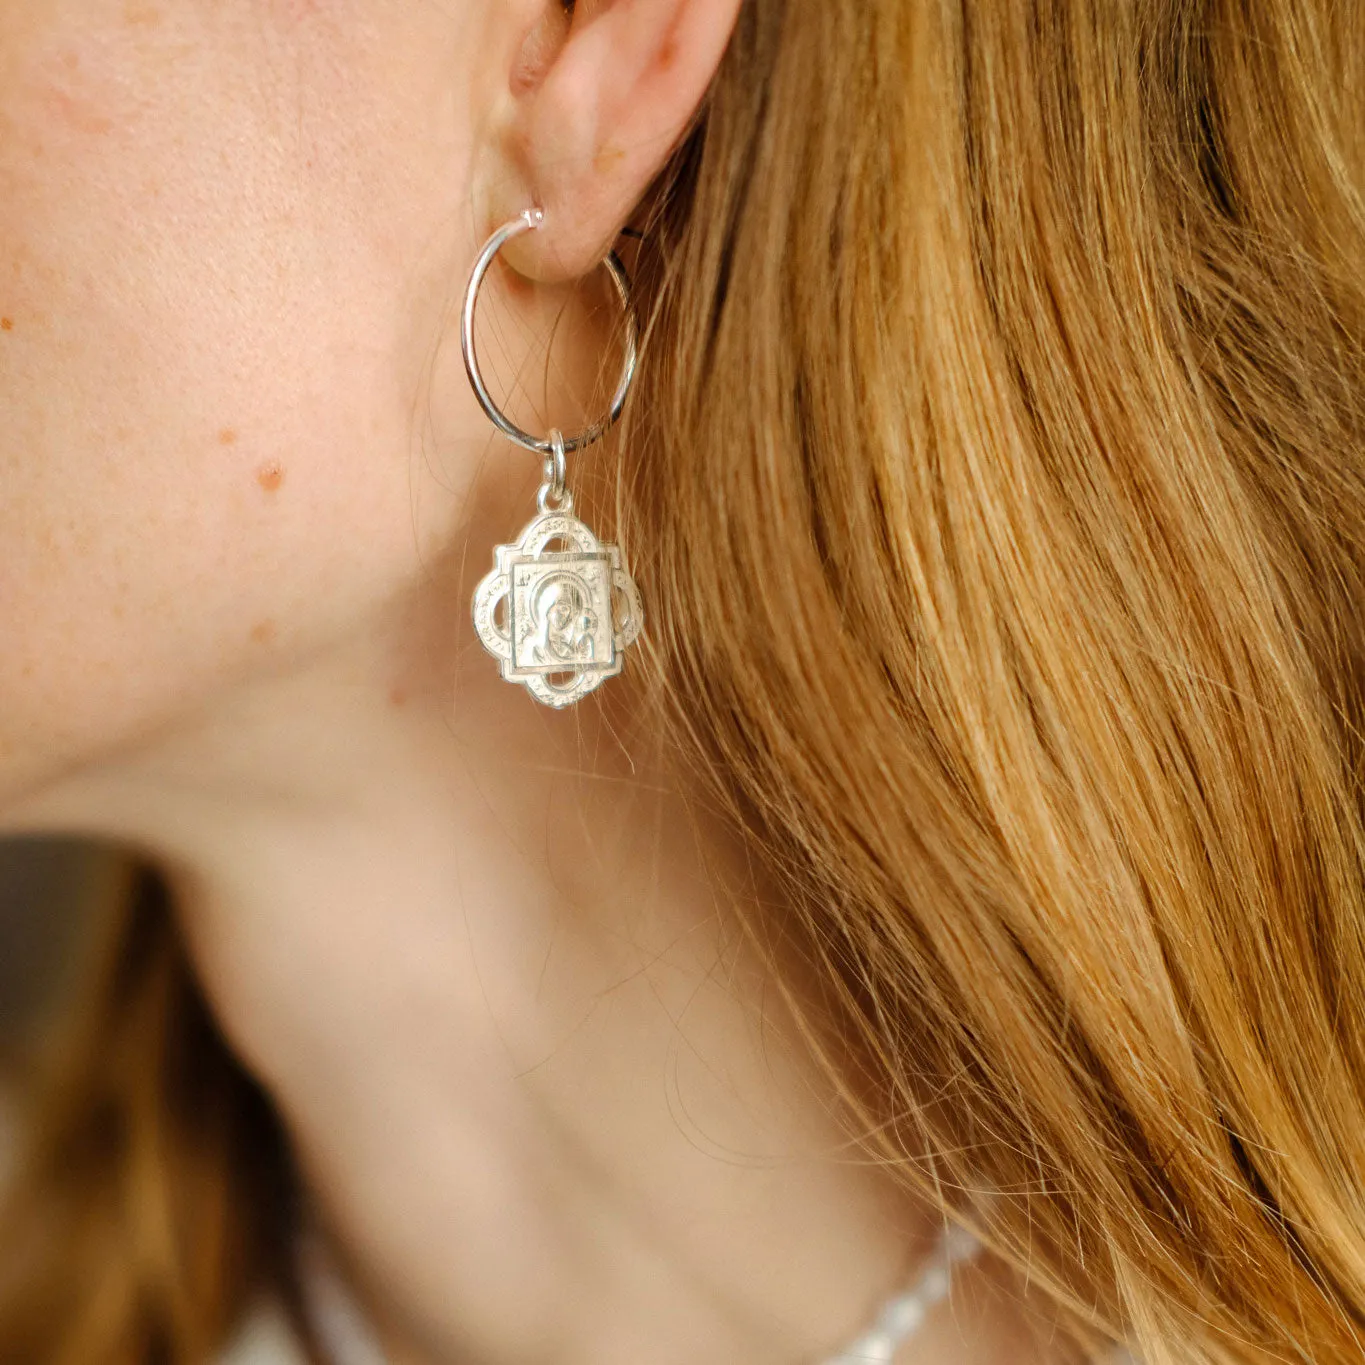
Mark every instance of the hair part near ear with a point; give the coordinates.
(996, 472)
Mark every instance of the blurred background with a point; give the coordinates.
(49, 891)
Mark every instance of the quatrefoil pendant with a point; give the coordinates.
(558, 621)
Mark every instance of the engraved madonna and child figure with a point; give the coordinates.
(557, 619)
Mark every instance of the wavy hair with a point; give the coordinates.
(998, 469)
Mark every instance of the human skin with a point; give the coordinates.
(484, 957)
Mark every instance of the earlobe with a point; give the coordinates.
(600, 96)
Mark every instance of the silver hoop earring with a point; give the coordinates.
(558, 621)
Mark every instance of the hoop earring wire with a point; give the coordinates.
(559, 621)
(525, 222)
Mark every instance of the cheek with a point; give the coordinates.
(205, 455)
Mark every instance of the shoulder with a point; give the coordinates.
(263, 1338)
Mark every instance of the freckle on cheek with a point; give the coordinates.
(270, 477)
(79, 114)
(263, 632)
(6, 324)
(227, 437)
(397, 697)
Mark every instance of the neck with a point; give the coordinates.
(486, 959)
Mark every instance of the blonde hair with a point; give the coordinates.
(998, 473)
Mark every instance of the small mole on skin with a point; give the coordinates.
(270, 477)
(263, 632)
(668, 52)
(397, 697)
(227, 437)
(6, 324)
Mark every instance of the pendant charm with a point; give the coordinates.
(558, 620)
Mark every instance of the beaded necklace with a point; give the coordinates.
(349, 1340)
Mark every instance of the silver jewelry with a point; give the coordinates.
(558, 620)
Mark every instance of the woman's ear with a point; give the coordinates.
(598, 97)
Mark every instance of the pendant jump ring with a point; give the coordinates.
(554, 495)
(524, 222)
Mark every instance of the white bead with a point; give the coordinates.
(876, 1348)
(903, 1315)
(935, 1283)
(959, 1244)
